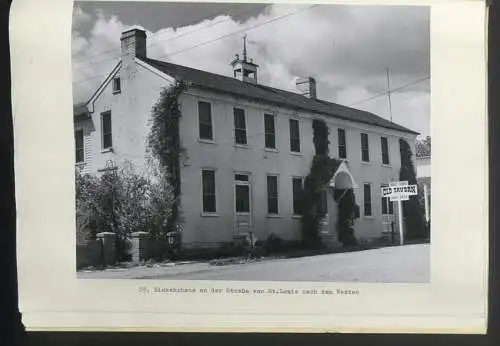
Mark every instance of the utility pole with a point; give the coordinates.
(389, 92)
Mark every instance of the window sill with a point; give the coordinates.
(296, 153)
(206, 141)
(117, 92)
(209, 215)
(80, 164)
(297, 216)
(274, 216)
(271, 150)
(107, 150)
(368, 163)
(386, 165)
(242, 146)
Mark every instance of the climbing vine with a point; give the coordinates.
(412, 210)
(348, 212)
(322, 170)
(165, 146)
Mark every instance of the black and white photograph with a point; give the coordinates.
(252, 141)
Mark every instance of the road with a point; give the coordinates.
(406, 264)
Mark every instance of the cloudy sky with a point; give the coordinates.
(348, 49)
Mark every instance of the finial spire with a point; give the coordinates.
(245, 47)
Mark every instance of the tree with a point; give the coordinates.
(122, 201)
(412, 210)
(423, 147)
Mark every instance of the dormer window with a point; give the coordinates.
(116, 85)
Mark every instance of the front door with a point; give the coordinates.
(242, 203)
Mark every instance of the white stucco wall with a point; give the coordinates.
(227, 158)
(131, 110)
(130, 120)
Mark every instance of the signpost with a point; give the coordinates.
(399, 191)
(426, 203)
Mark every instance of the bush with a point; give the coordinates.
(121, 201)
(274, 243)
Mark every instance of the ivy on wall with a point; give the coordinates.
(412, 210)
(322, 170)
(348, 212)
(164, 143)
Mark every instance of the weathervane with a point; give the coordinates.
(245, 47)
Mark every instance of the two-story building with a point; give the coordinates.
(247, 146)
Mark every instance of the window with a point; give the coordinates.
(107, 138)
(342, 144)
(387, 205)
(272, 194)
(79, 153)
(367, 199)
(365, 152)
(297, 192)
(242, 193)
(269, 131)
(241, 177)
(117, 85)
(205, 120)
(385, 150)
(208, 182)
(294, 135)
(240, 129)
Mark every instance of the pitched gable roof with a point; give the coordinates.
(80, 109)
(212, 81)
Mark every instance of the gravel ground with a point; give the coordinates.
(409, 263)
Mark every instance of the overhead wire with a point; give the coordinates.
(218, 38)
(391, 91)
(89, 63)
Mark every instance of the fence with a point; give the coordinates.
(97, 252)
(102, 252)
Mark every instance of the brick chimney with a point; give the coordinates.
(307, 86)
(133, 44)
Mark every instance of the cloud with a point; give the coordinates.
(346, 48)
(80, 17)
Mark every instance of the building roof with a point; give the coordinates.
(212, 81)
(80, 109)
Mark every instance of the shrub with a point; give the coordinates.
(412, 210)
(274, 243)
(122, 201)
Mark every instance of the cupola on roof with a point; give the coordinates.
(243, 69)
